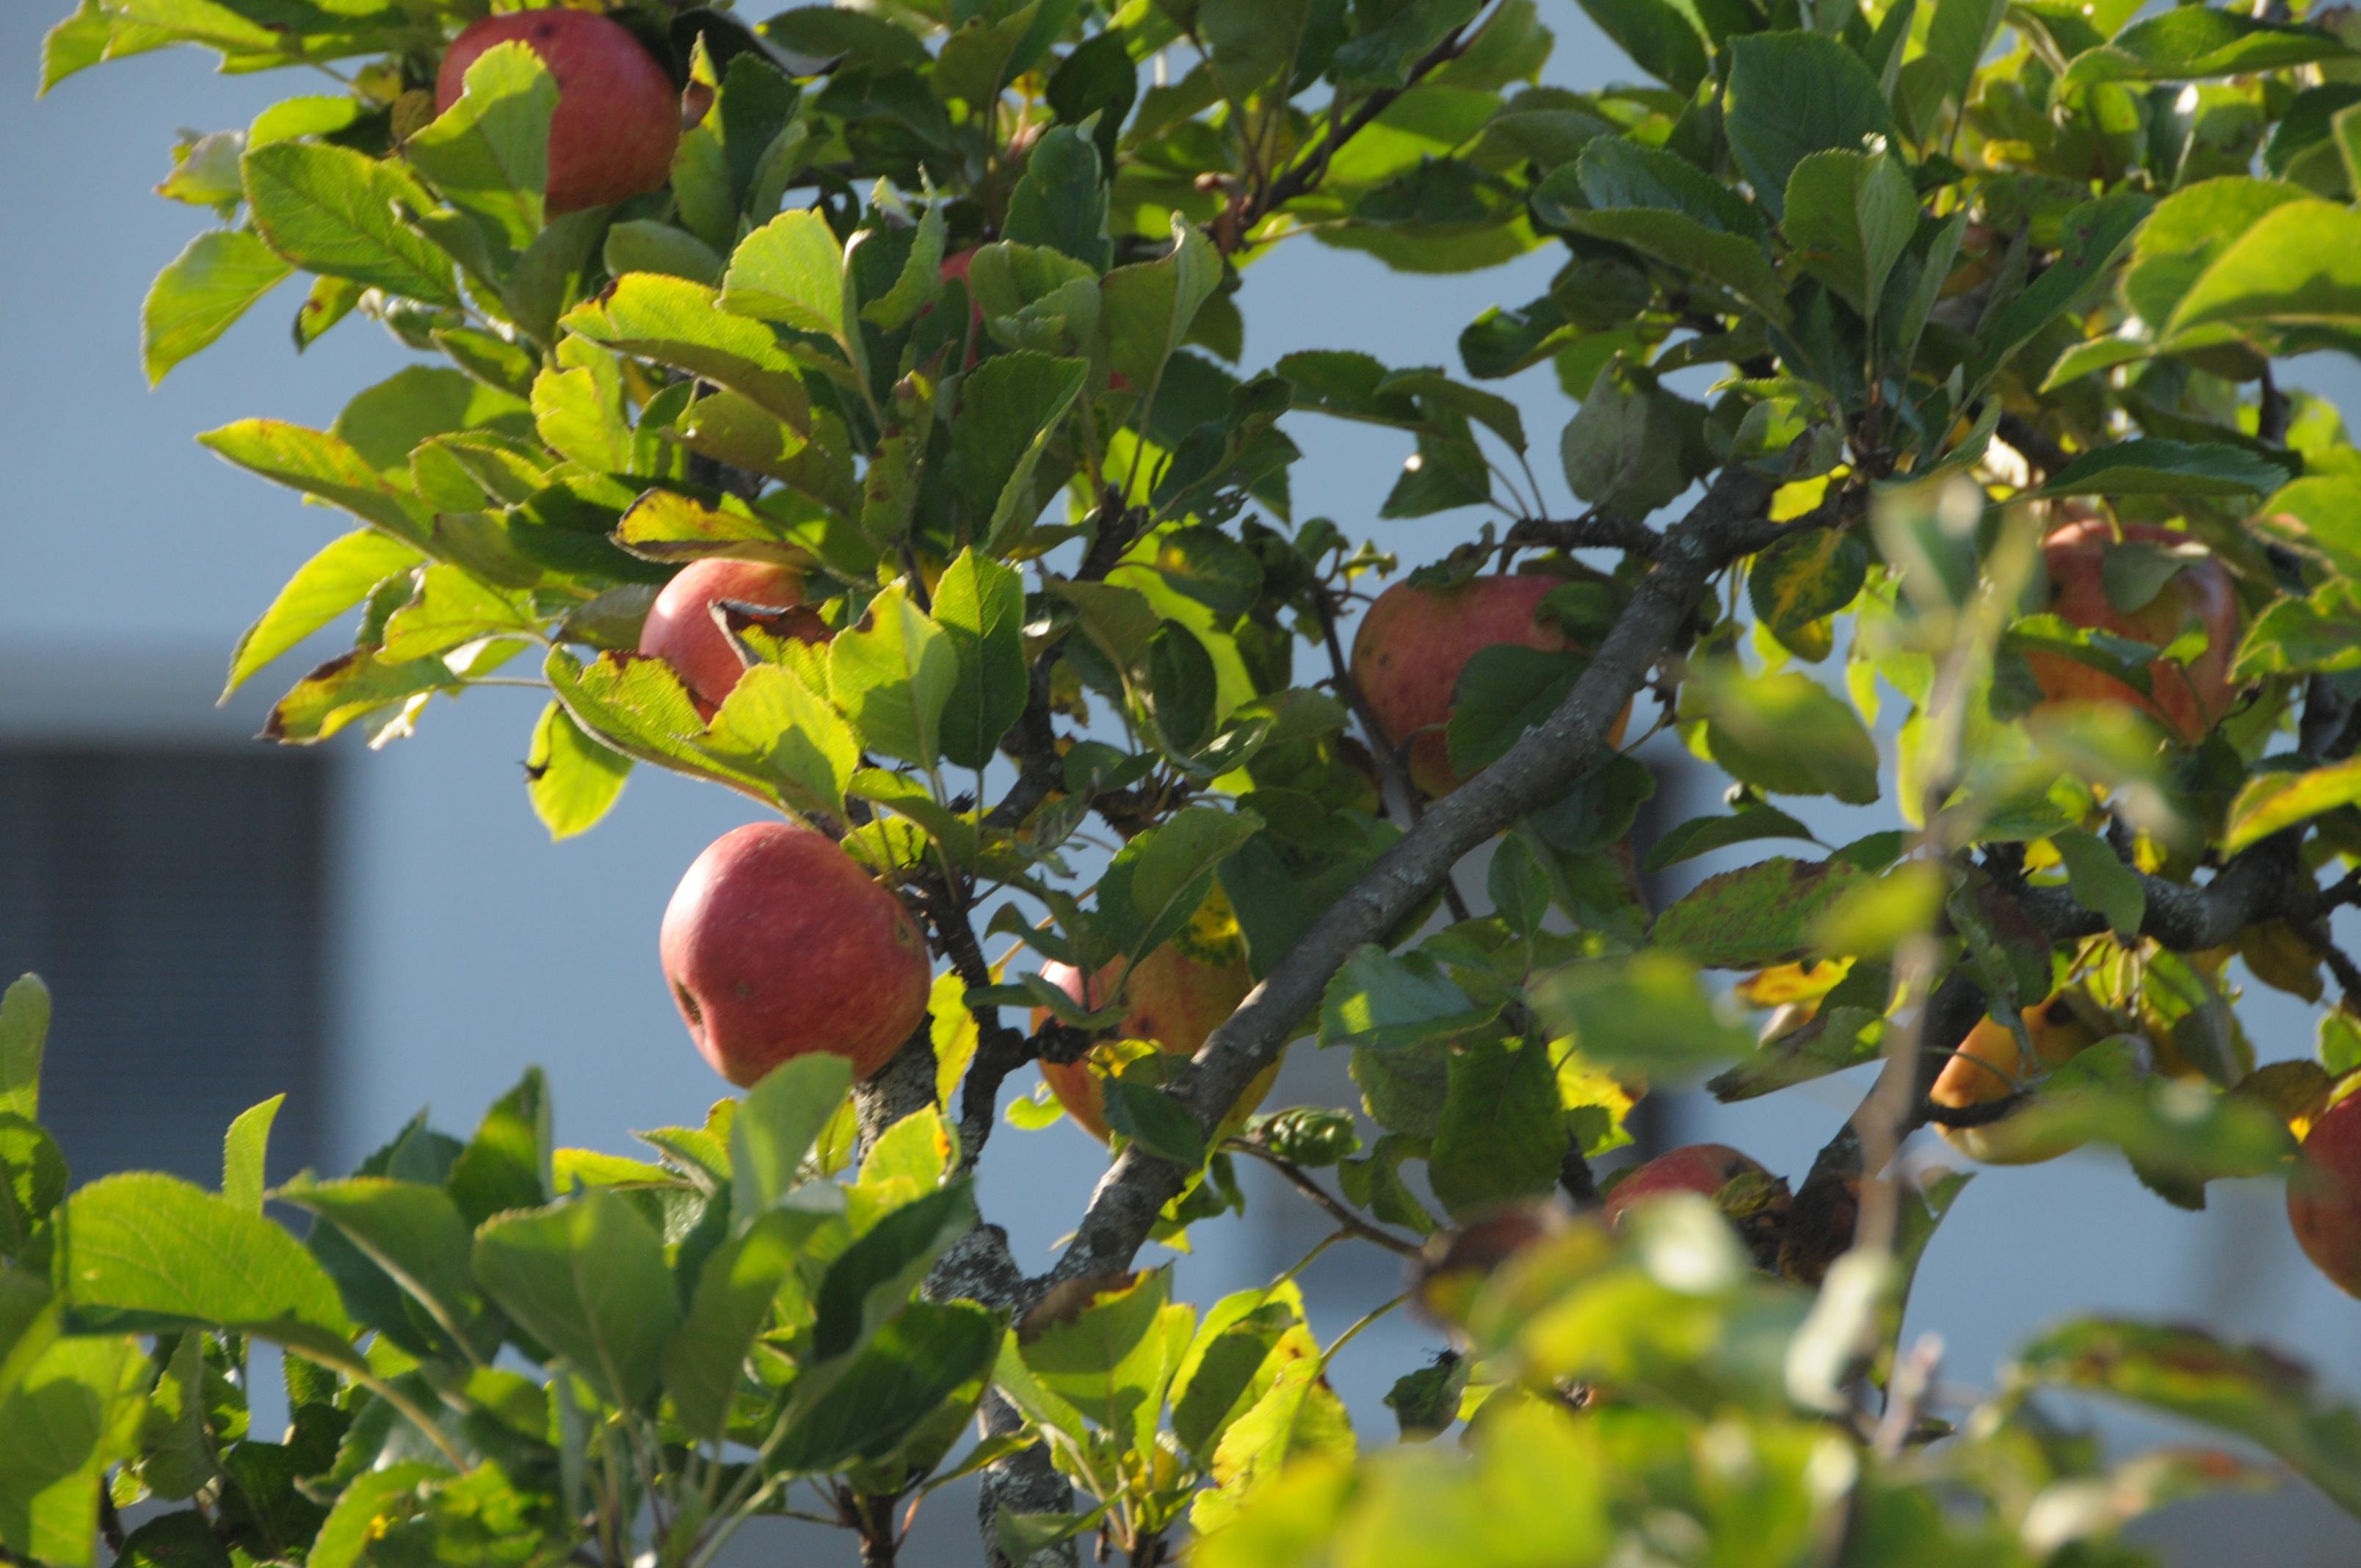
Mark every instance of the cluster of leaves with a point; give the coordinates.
(941, 309)
(708, 1329)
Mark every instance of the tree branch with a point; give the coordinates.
(1727, 524)
(1591, 531)
(1301, 1179)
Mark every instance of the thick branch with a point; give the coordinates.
(1727, 524)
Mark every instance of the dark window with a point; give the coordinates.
(174, 901)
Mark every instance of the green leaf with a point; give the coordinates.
(1503, 692)
(1061, 201)
(488, 153)
(332, 210)
(1501, 1137)
(323, 588)
(980, 605)
(775, 1126)
(348, 688)
(353, 1524)
(1807, 577)
(1760, 915)
(24, 1031)
(2101, 881)
(76, 1412)
(147, 1253)
(1647, 1012)
(737, 1292)
(915, 286)
(1626, 448)
(587, 1279)
(2248, 1392)
(1702, 834)
(639, 706)
(200, 294)
(868, 1404)
(571, 779)
(2317, 635)
(1791, 95)
(790, 271)
(2094, 233)
(1957, 36)
(1734, 261)
(322, 464)
(1251, 43)
(1788, 734)
(1850, 217)
(1388, 1001)
(1009, 407)
(1158, 880)
(2297, 265)
(2271, 802)
(675, 321)
(1660, 36)
(2199, 41)
(793, 734)
(2152, 467)
(182, 1540)
(2186, 232)
(1156, 1121)
(410, 1231)
(873, 1279)
(1148, 307)
(893, 673)
(1111, 1357)
(2318, 515)
(244, 1150)
(643, 244)
(507, 1164)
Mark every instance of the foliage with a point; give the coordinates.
(942, 309)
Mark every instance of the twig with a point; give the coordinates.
(2039, 449)
(1392, 762)
(1301, 1179)
(1231, 229)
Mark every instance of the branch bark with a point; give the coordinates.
(1726, 524)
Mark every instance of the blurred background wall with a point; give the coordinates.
(376, 932)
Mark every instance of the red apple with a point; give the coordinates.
(1414, 643)
(618, 120)
(778, 944)
(681, 629)
(2324, 1194)
(1701, 1168)
(1175, 1000)
(2189, 698)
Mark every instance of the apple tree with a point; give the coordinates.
(851, 408)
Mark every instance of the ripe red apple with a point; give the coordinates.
(1175, 1000)
(778, 944)
(2324, 1194)
(618, 119)
(1702, 1168)
(2189, 698)
(1414, 643)
(682, 631)
(1989, 1066)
